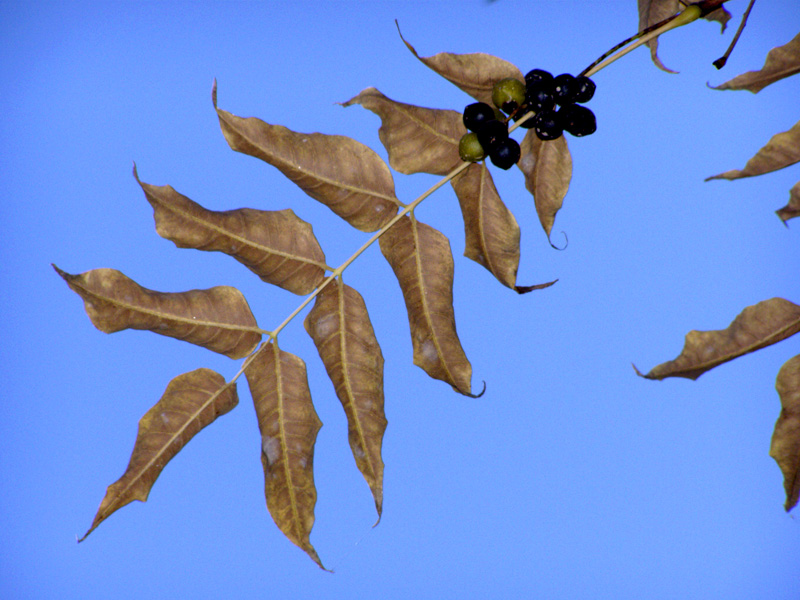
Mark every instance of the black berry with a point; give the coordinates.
(577, 120)
(537, 76)
(470, 149)
(564, 89)
(584, 89)
(505, 154)
(475, 115)
(508, 94)
(539, 96)
(491, 133)
(547, 125)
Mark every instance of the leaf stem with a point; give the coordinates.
(720, 62)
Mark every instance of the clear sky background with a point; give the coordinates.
(570, 478)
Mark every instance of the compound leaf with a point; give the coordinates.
(782, 150)
(276, 245)
(473, 73)
(781, 62)
(792, 209)
(423, 264)
(218, 318)
(756, 327)
(288, 424)
(785, 446)
(343, 174)
(418, 140)
(341, 330)
(191, 402)
(547, 166)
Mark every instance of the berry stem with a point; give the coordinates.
(686, 16)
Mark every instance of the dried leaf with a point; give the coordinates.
(756, 327)
(276, 245)
(343, 174)
(418, 140)
(650, 13)
(792, 209)
(218, 318)
(191, 402)
(423, 264)
(721, 16)
(341, 330)
(785, 447)
(782, 150)
(491, 231)
(547, 167)
(781, 62)
(474, 73)
(288, 424)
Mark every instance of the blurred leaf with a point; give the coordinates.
(547, 166)
(423, 264)
(792, 209)
(474, 73)
(343, 174)
(191, 402)
(276, 245)
(756, 327)
(782, 150)
(218, 319)
(288, 424)
(781, 62)
(785, 447)
(341, 330)
(418, 140)
(491, 231)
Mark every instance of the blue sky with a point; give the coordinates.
(570, 478)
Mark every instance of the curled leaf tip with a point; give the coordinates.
(524, 289)
(566, 242)
(471, 395)
(638, 372)
(214, 93)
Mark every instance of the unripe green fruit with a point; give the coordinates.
(508, 94)
(470, 149)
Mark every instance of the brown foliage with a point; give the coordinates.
(785, 447)
(781, 62)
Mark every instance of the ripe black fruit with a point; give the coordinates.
(491, 133)
(475, 115)
(470, 149)
(508, 94)
(548, 125)
(505, 154)
(583, 89)
(577, 120)
(539, 96)
(537, 76)
(564, 88)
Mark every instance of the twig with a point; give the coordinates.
(720, 62)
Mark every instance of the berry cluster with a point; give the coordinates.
(540, 94)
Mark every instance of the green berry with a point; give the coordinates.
(475, 115)
(505, 154)
(577, 120)
(470, 149)
(508, 94)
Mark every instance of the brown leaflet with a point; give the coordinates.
(792, 209)
(781, 62)
(343, 174)
(655, 11)
(341, 330)
(423, 264)
(191, 402)
(276, 245)
(491, 231)
(756, 327)
(218, 318)
(288, 424)
(473, 73)
(547, 166)
(782, 150)
(418, 140)
(785, 447)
